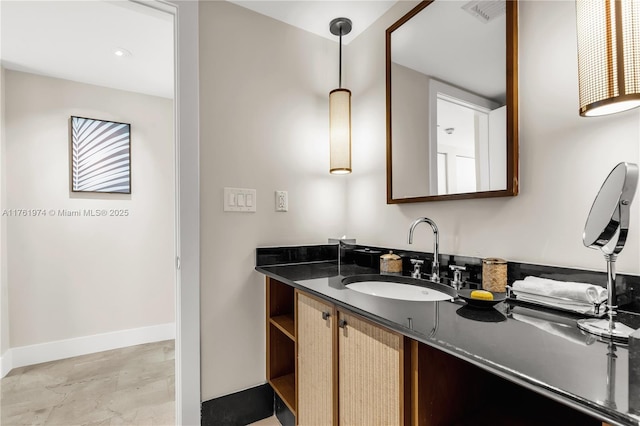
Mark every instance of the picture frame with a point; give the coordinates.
(100, 152)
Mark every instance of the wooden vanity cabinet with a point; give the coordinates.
(332, 367)
(349, 370)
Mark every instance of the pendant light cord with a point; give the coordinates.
(340, 27)
(340, 62)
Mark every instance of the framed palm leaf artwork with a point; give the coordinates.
(100, 156)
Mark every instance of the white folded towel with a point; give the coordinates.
(578, 292)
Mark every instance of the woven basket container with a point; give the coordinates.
(494, 275)
(390, 263)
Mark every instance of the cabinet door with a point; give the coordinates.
(370, 373)
(316, 353)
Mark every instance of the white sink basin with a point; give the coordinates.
(393, 288)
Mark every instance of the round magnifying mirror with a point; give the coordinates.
(607, 227)
(608, 219)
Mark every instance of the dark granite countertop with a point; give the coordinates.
(541, 350)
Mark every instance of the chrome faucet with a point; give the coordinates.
(435, 266)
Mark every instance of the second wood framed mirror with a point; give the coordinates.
(452, 102)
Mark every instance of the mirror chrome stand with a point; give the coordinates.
(611, 376)
(608, 327)
(606, 229)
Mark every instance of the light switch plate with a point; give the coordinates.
(242, 200)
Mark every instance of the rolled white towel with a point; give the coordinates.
(579, 292)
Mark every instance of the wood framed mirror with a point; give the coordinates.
(452, 101)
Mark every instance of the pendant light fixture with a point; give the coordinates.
(340, 111)
(608, 55)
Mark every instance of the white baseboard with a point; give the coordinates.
(60, 349)
(5, 363)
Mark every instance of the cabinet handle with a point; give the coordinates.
(325, 315)
(342, 323)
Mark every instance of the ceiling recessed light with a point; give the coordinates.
(120, 52)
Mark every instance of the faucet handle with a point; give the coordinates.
(417, 265)
(457, 275)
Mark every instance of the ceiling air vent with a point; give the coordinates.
(485, 10)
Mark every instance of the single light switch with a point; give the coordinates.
(241, 200)
(249, 200)
(232, 199)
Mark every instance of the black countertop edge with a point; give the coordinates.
(584, 405)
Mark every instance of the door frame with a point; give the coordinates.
(187, 215)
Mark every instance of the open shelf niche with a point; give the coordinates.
(281, 341)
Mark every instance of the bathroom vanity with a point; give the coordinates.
(337, 356)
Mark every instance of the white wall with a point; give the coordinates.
(564, 158)
(264, 89)
(410, 104)
(81, 276)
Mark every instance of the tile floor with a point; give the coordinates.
(128, 386)
(269, 421)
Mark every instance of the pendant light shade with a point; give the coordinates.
(340, 111)
(340, 130)
(608, 55)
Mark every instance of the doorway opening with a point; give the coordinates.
(174, 184)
